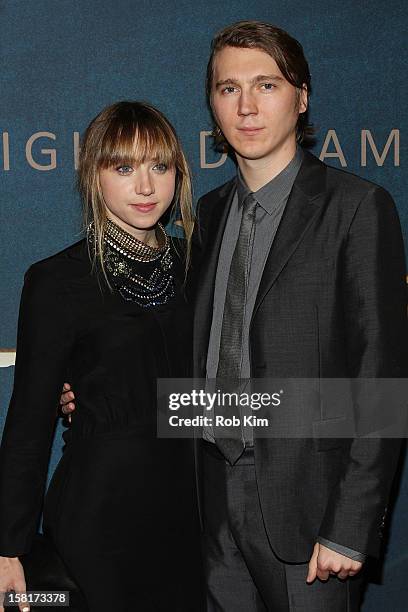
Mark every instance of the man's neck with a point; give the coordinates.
(259, 172)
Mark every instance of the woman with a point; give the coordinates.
(108, 314)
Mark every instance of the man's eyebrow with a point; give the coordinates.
(257, 79)
(266, 77)
(226, 82)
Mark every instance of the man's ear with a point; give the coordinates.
(303, 99)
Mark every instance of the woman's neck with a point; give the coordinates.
(148, 236)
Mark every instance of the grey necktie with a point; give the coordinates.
(229, 439)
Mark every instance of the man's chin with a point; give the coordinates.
(252, 154)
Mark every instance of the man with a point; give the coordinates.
(324, 297)
(301, 275)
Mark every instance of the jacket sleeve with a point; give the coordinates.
(375, 318)
(343, 550)
(44, 341)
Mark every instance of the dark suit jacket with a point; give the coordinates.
(331, 303)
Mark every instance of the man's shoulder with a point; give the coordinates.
(209, 202)
(334, 176)
(353, 183)
(219, 192)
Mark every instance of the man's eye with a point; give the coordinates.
(268, 86)
(124, 169)
(229, 89)
(160, 167)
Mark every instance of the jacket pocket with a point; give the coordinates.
(329, 434)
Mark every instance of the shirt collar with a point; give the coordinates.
(271, 195)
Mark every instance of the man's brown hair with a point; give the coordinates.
(285, 50)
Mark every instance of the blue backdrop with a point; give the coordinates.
(61, 62)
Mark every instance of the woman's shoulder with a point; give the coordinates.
(178, 246)
(68, 264)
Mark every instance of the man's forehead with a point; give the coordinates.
(237, 62)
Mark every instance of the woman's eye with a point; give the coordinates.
(161, 168)
(124, 169)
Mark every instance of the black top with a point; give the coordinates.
(73, 328)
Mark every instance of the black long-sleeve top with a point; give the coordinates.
(72, 327)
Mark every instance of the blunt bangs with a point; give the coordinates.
(132, 138)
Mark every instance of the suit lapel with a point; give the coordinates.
(303, 204)
(212, 238)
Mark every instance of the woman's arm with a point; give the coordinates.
(12, 579)
(44, 342)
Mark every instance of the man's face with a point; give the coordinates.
(254, 105)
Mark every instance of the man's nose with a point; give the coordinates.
(247, 104)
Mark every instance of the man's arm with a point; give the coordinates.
(374, 304)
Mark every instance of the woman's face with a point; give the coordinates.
(137, 196)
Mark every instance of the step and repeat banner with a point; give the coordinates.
(62, 61)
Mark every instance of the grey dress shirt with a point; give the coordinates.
(272, 199)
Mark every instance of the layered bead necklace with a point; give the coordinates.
(139, 272)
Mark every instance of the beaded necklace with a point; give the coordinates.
(139, 272)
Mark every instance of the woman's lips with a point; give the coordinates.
(144, 208)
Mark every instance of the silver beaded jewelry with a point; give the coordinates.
(139, 272)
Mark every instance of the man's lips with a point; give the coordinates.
(143, 207)
(250, 130)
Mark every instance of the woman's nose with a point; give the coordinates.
(144, 184)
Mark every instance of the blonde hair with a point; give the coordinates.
(127, 133)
